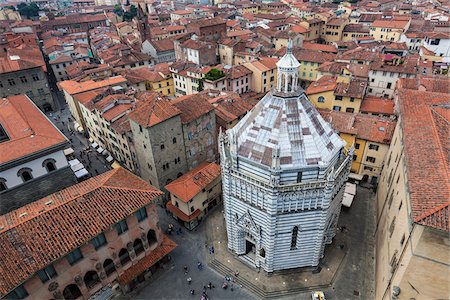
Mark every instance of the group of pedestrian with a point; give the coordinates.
(209, 286)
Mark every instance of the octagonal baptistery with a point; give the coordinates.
(283, 171)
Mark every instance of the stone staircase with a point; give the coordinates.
(261, 292)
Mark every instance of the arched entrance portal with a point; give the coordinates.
(109, 267)
(71, 292)
(91, 279)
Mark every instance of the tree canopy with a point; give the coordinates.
(130, 14)
(28, 10)
(214, 74)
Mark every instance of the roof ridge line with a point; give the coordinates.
(130, 189)
(431, 212)
(51, 198)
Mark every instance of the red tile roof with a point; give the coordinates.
(72, 87)
(193, 106)
(376, 105)
(230, 106)
(319, 47)
(28, 129)
(366, 127)
(166, 246)
(193, 182)
(181, 215)
(21, 58)
(395, 24)
(425, 119)
(46, 230)
(323, 84)
(152, 109)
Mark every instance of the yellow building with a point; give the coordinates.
(413, 207)
(370, 135)
(71, 88)
(313, 26)
(332, 30)
(334, 93)
(264, 75)
(389, 30)
(194, 194)
(158, 79)
(353, 31)
(310, 60)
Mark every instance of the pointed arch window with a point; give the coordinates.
(294, 238)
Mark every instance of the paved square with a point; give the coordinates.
(355, 274)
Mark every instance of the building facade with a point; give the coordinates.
(158, 138)
(412, 234)
(32, 160)
(195, 194)
(23, 71)
(106, 256)
(283, 174)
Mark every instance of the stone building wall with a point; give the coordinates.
(31, 82)
(36, 189)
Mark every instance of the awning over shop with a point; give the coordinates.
(94, 145)
(105, 152)
(109, 158)
(74, 162)
(348, 199)
(100, 150)
(68, 151)
(166, 246)
(91, 140)
(77, 167)
(350, 188)
(355, 176)
(81, 173)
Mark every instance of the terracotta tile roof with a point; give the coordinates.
(230, 106)
(74, 19)
(181, 215)
(61, 59)
(311, 55)
(355, 89)
(238, 71)
(423, 83)
(425, 118)
(193, 106)
(376, 105)
(366, 127)
(166, 246)
(197, 45)
(46, 230)
(28, 129)
(374, 128)
(21, 58)
(87, 98)
(360, 28)
(193, 182)
(394, 24)
(265, 63)
(319, 47)
(152, 109)
(163, 45)
(323, 84)
(299, 29)
(73, 87)
(235, 33)
(340, 121)
(336, 21)
(407, 66)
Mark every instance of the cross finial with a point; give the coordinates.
(289, 47)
